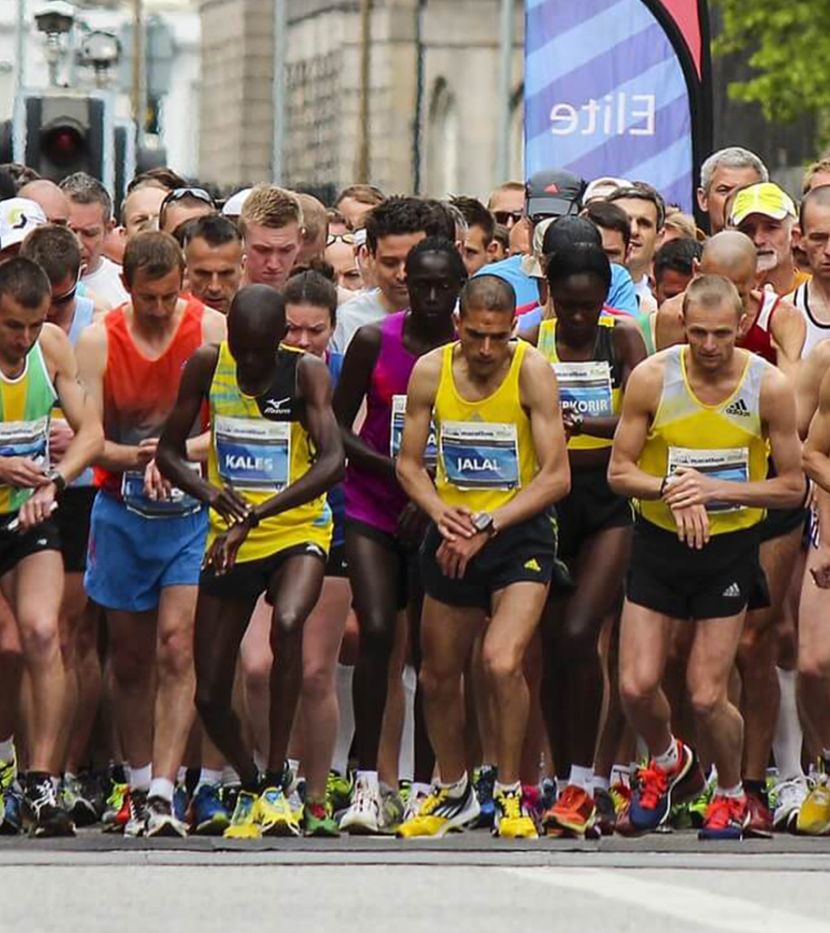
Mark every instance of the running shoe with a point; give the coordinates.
(42, 814)
(363, 816)
(12, 807)
(117, 810)
(621, 796)
(760, 817)
(318, 820)
(697, 807)
(244, 821)
(657, 789)
(207, 816)
(814, 816)
(391, 811)
(72, 799)
(136, 824)
(726, 818)
(229, 794)
(484, 781)
(606, 811)
(575, 811)
(180, 802)
(789, 795)
(339, 791)
(162, 820)
(275, 814)
(94, 786)
(512, 821)
(418, 793)
(441, 813)
(8, 772)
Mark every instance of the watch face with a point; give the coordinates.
(482, 522)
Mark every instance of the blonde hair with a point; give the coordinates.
(683, 223)
(270, 206)
(822, 165)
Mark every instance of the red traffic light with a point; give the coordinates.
(63, 144)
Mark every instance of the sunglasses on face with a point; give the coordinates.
(504, 217)
(347, 238)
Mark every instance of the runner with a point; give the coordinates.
(723, 172)
(275, 449)
(592, 357)
(691, 447)
(812, 298)
(146, 539)
(37, 369)
(501, 465)
(213, 260)
(382, 530)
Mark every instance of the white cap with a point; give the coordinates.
(233, 206)
(18, 216)
(603, 187)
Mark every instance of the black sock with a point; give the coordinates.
(119, 775)
(759, 788)
(274, 779)
(251, 786)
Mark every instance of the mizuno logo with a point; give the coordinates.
(277, 406)
(532, 564)
(738, 407)
(732, 590)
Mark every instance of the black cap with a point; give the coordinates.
(553, 193)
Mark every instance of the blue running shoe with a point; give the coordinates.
(657, 790)
(208, 817)
(484, 783)
(180, 802)
(726, 818)
(12, 822)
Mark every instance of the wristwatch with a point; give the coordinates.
(57, 479)
(483, 521)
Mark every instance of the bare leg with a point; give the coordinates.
(257, 660)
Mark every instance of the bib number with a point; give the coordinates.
(478, 455)
(396, 433)
(177, 504)
(729, 463)
(585, 388)
(253, 455)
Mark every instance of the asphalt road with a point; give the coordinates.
(467, 882)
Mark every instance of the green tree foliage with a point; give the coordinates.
(788, 43)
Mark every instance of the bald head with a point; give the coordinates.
(815, 201)
(488, 293)
(49, 196)
(732, 255)
(257, 311)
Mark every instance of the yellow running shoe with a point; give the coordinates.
(440, 814)
(814, 815)
(512, 820)
(275, 814)
(244, 824)
(8, 771)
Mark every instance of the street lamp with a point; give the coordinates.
(101, 50)
(55, 20)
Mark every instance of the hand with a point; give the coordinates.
(222, 553)
(156, 486)
(38, 508)
(686, 487)
(453, 556)
(692, 525)
(22, 472)
(572, 422)
(229, 504)
(146, 451)
(60, 437)
(412, 525)
(455, 522)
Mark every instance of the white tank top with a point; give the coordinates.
(816, 330)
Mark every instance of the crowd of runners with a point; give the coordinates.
(407, 516)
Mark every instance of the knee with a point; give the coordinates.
(318, 682)
(637, 687)
(377, 633)
(432, 679)
(501, 665)
(175, 654)
(211, 702)
(813, 667)
(577, 640)
(256, 669)
(39, 638)
(288, 624)
(706, 698)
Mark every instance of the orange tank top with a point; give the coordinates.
(139, 393)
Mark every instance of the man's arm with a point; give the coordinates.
(789, 330)
(668, 325)
(91, 353)
(352, 387)
(786, 490)
(808, 382)
(214, 326)
(816, 454)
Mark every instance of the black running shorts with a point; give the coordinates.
(589, 507)
(253, 577)
(718, 581)
(15, 545)
(72, 518)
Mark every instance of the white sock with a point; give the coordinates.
(789, 736)
(418, 789)
(56, 781)
(161, 787)
(345, 728)
(406, 754)
(294, 765)
(371, 778)
(620, 775)
(140, 777)
(734, 792)
(7, 749)
(581, 777)
(229, 776)
(670, 758)
(209, 777)
(600, 783)
(181, 775)
(456, 788)
(261, 762)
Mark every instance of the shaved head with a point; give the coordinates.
(258, 310)
(818, 197)
(726, 252)
(49, 196)
(488, 293)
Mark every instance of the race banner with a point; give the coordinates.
(620, 88)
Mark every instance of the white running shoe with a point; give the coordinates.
(363, 816)
(790, 795)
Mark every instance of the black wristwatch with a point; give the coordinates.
(58, 480)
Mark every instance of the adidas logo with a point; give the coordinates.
(738, 407)
(532, 564)
(732, 590)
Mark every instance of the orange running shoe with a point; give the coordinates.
(575, 811)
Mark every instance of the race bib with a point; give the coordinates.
(396, 433)
(26, 439)
(177, 504)
(253, 454)
(585, 388)
(480, 455)
(729, 463)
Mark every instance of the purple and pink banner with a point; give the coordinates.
(619, 87)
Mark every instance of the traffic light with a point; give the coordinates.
(61, 132)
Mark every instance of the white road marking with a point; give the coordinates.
(682, 902)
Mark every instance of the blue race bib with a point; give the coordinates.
(480, 455)
(253, 454)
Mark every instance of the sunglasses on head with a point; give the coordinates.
(347, 238)
(177, 194)
(504, 217)
(67, 296)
